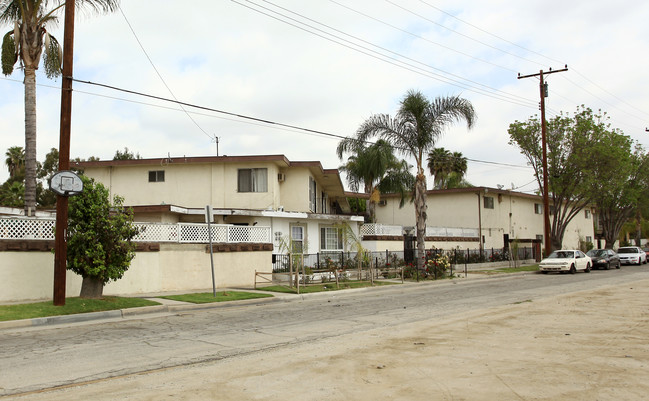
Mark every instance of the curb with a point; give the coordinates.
(182, 307)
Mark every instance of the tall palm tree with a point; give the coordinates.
(414, 130)
(25, 43)
(15, 162)
(375, 168)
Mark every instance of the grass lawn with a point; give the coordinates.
(221, 296)
(325, 287)
(71, 307)
(530, 268)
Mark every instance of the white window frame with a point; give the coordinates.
(330, 235)
(298, 236)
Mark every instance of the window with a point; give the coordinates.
(488, 202)
(587, 213)
(538, 208)
(325, 200)
(589, 239)
(312, 195)
(331, 239)
(157, 176)
(253, 180)
(297, 239)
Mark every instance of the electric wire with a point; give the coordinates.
(158, 72)
(421, 37)
(490, 92)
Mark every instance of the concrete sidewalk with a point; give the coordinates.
(170, 307)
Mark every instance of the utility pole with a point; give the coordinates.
(546, 198)
(60, 243)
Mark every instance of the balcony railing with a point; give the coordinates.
(43, 229)
(453, 232)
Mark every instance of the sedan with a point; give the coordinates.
(604, 258)
(566, 261)
(632, 255)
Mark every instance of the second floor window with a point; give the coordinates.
(253, 180)
(157, 176)
(538, 208)
(312, 195)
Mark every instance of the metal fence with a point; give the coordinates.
(43, 229)
(386, 259)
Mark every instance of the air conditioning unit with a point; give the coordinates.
(281, 177)
(383, 202)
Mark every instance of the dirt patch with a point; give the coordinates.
(584, 346)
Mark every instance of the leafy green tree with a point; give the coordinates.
(24, 44)
(375, 168)
(100, 247)
(621, 176)
(571, 159)
(414, 130)
(126, 155)
(44, 195)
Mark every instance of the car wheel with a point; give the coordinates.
(572, 269)
(587, 268)
(618, 266)
(608, 266)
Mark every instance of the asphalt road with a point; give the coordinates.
(34, 359)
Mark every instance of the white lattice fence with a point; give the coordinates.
(381, 229)
(27, 229)
(43, 229)
(156, 232)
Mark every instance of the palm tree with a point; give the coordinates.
(25, 43)
(15, 162)
(375, 168)
(448, 169)
(413, 131)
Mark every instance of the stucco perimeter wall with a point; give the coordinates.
(177, 267)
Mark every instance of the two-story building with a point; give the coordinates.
(298, 200)
(477, 217)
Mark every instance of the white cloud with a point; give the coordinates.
(224, 56)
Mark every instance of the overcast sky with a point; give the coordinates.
(327, 66)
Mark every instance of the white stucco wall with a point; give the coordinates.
(177, 267)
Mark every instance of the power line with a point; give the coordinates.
(489, 91)
(158, 72)
(258, 120)
(421, 37)
(491, 34)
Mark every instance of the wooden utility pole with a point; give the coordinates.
(546, 198)
(61, 246)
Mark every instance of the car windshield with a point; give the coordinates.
(561, 255)
(627, 250)
(597, 252)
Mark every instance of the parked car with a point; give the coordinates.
(604, 258)
(566, 260)
(646, 250)
(632, 255)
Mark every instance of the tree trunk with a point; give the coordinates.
(91, 287)
(638, 228)
(30, 141)
(420, 216)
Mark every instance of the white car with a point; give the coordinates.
(568, 260)
(632, 255)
